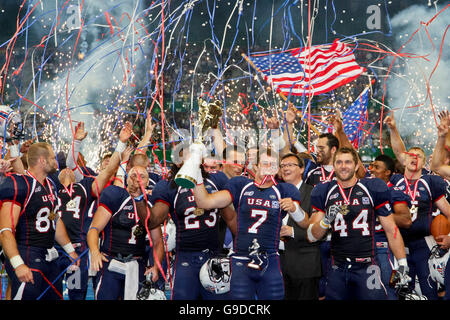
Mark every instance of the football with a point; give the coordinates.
(440, 226)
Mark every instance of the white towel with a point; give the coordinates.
(131, 280)
(19, 293)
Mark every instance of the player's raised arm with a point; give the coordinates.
(72, 157)
(396, 140)
(108, 172)
(145, 140)
(440, 154)
(209, 201)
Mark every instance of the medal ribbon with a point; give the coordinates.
(69, 192)
(265, 179)
(413, 194)
(50, 194)
(324, 177)
(342, 192)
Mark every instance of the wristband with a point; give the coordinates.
(122, 169)
(139, 198)
(298, 215)
(299, 146)
(76, 145)
(14, 151)
(68, 248)
(402, 262)
(199, 177)
(121, 146)
(16, 261)
(310, 235)
(5, 229)
(324, 225)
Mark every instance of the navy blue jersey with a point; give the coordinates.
(74, 209)
(259, 214)
(118, 235)
(194, 232)
(153, 179)
(397, 196)
(34, 228)
(430, 189)
(319, 175)
(353, 233)
(309, 166)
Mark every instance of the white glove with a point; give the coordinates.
(197, 152)
(330, 215)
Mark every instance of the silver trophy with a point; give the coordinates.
(209, 115)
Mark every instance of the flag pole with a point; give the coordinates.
(282, 96)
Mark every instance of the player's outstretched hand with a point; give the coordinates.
(80, 133)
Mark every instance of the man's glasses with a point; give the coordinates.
(288, 165)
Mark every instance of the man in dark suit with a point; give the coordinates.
(300, 259)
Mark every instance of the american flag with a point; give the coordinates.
(304, 72)
(355, 117)
(3, 115)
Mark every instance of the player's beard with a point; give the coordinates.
(323, 158)
(51, 170)
(346, 176)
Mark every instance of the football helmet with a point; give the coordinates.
(437, 263)
(10, 124)
(149, 291)
(406, 293)
(215, 275)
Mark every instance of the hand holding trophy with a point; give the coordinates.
(189, 174)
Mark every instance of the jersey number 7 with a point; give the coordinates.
(261, 215)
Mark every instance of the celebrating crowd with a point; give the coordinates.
(266, 220)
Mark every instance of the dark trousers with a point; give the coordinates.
(301, 289)
(77, 281)
(186, 280)
(250, 284)
(357, 281)
(418, 265)
(42, 288)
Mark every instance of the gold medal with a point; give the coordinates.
(71, 204)
(344, 209)
(52, 215)
(138, 231)
(198, 212)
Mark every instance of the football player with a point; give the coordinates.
(260, 204)
(121, 256)
(348, 206)
(76, 200)
(383, 167)
(196, 231)
(29, 226)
